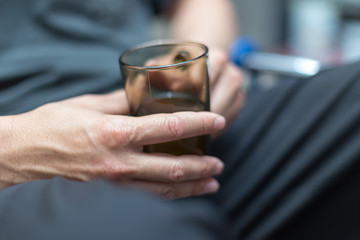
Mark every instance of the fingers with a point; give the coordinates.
(227, 96)
(172, 169)
(218, 60)
(111, 103)
(173, 177)
(177, 190)
(158, 128)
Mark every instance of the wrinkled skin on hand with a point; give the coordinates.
(91, 136)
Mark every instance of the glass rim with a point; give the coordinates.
(159, 43)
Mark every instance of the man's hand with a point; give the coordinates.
(84, 138)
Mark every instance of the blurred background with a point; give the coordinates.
(327, 31)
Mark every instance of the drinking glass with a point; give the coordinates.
(167, 77)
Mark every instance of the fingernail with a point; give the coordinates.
(219, 123)
(211, 187)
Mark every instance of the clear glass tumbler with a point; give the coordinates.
(166, 77)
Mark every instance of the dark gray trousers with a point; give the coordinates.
(292, 172)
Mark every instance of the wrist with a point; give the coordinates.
(6, 139)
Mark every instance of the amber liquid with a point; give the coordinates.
(194, 145)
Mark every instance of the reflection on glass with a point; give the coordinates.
(165, 78)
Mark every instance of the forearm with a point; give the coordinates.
(212, 22)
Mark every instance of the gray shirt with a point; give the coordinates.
(55, 49)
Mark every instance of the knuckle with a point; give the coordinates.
(168, 192)
(203, 123)
(112, 134)
(174, 126)
(115, 169)
(205, 126)
(177, 172)
(206, 171)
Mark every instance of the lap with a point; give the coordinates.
(64, 209)
(292, 158)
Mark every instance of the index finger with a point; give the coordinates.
(158, 128)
